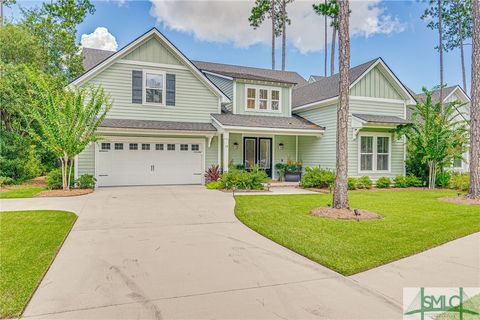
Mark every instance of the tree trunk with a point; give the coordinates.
(440, 36)
(332, 57)
(474, 190)
(273, 34)
(326, 43)
(462, 57)
(340, 193)
(284, 32)
(70, 172)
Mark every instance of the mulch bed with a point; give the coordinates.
(344, 214)
(35, 182)
(461, 200)
(61, 193)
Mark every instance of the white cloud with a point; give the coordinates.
(99, 39)
(227, 21)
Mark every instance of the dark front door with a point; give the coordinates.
(258, 151)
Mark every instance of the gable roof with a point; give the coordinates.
(92, 57)
(250, 73)
(328, 87)
(154, 32)
(314, 78)
(447, 91)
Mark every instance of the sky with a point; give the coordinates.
(219, 31)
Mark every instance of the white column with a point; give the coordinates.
(225, 150)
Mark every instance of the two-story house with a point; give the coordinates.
(172, 117)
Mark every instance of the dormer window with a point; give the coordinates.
(263, 99)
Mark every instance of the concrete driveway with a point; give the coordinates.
(179, 252)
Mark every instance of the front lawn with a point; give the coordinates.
(21, 192)
(414, 220)
(29, 241)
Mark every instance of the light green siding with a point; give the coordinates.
(194, 101)
(86, 161)
(241, 102)
(211, 154)
(225, 85)
(288, 152)
(375, 84)
(235, 153)
(153, 51)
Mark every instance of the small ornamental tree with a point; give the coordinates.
(67, 122)
(435, 138)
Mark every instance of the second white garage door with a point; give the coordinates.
(123, 162)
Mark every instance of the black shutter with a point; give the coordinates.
(137, 84)
(170, 97)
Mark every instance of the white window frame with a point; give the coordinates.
(375, 153)
(164, 87)
(269, 101)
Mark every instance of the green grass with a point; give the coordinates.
(24, 192)
(29, 241)
(413, 221)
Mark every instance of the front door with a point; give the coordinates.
(258, 151)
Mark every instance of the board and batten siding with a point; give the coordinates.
(152, 51)
(375, 84)
(241, 103)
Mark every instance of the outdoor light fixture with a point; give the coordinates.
(280, 146)
(235, 145)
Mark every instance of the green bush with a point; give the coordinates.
(352, 183)
(5, 181)
(317, 178)
(364, 182)
(400, 182)
(54, 179)
(383, 182)
(214, 185)
(243, 180)
(443, 179)
(413, 181)
(460, 181)
(86, 181)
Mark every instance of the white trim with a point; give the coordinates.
(374, 135)
(274, 130)
(234, 97)
(133, 45)
(272, 166)
(371, 99)
(151, 64)
(269, 99)
(144, 87)
(458, 88)
(219, 150)
(290, 102)
(316, 104)
(217, 75)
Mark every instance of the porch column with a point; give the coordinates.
(296, 148)
(226, 141)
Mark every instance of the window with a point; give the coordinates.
(154, 87)
(170, 147)
(275, 100)
(263, 99)
(133, 146)
(118, 146)
(159, 146)
(145, 146)
(184, 147)
(105, 146)
(195, 147)
(374, 153)
(251, 98)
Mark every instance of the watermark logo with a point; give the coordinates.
(441, 303)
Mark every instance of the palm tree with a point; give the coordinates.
(474, 190)
(260, 10)
(340, 194)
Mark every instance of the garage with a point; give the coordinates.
(144, 161)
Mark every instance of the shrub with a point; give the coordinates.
(383, 182)
(86, 181)
(352, 183)
(213, 185)
(400, 181)
(5, 181)
(244, 180)
(212, 173)
(460, 181)
(317, 178)
(281, 168)
(443, 179)
(364, 182)
(54, 179)
(413, 181)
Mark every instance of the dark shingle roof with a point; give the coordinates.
(157, 125)
(239, 120)
(92, 57)
(316, 78)
(327, 87)
(381, 119)
(251, 73)
(435, 94)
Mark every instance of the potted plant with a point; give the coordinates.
(281, 167)
(293, 171)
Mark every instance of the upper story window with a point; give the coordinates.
(263, 99)
(374, 153)
(154, 92)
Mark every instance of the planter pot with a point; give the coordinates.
(293, 176)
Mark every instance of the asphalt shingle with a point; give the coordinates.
(380, 119)
(157, 125)
(239, 120)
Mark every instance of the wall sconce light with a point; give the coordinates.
(280, 146)
(235, 145)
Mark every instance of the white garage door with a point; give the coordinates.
(122, 162)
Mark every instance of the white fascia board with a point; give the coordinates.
(275, 130)
(217, 75)
(457, 90)
(315, 104)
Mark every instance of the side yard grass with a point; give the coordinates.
(23, 192)
(29, 241)
(414, 221)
